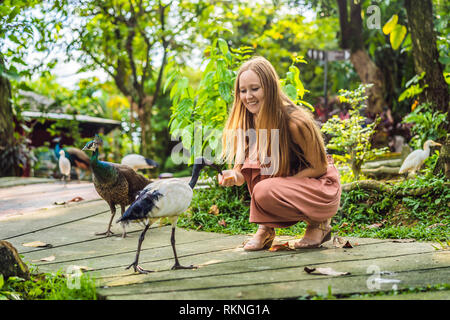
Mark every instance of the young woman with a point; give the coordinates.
(278, 150)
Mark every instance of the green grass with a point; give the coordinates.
(426, 217)
(48, 286)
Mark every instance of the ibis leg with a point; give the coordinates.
(124, 232)
(135, 263)
(177, 263)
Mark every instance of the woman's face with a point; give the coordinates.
(250, 91)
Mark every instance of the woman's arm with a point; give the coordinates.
(311, 173)
(304, 137)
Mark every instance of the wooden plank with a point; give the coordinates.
(287, 283)
(22, 200)
(235, 260)
(226, 271)
(113, 254)
(236, 266)
(43, 220)
(8, 182)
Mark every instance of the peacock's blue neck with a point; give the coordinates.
(103, 171)
(56, 150)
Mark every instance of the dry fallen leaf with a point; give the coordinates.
(436, 225)
(46, 259)
(209, 262)
(281, 247)
(325, 271)
(222, 223)
(347, 245)
(214, 210)
(76, 199)
(82, 268)
(37, 244)
(338, 242)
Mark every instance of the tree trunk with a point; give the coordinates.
(11, 265)
(426, 55)
(352, 38)
(6, 127)
(368, 72)
(145, 119)
(443, 162)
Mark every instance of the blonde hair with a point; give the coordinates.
(275, 114)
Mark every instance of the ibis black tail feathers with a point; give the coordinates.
(141, 207)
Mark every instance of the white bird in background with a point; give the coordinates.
(415, 159)
(163, 198)
(136, 161)
(64, 166)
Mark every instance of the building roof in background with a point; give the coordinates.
(43, 107)
(64, 116)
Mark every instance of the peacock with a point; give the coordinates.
(163, 198)
(137, 161)
(117, 184)
(78, 159)
(64, 166)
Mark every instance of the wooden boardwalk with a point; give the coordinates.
(225, 270)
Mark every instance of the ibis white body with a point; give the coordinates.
(64, 164)
(176, 197)
(137, 161)
(415, 159)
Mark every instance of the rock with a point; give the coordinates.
(10, 262)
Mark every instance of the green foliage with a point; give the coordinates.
(206, 106)
(47, 286)
(293, 86)
(396, 31)
(424, 218)
(413, 87)
(428, 124)
(352, 136)
(23, 28)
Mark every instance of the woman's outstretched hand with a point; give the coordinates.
(228, 178)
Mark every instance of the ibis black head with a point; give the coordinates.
(152, 163)
(201, 162)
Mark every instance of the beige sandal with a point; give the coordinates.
(308, 243)
(254, 244)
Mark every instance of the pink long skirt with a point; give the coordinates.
(280, 202)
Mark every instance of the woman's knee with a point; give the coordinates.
(263, 193)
